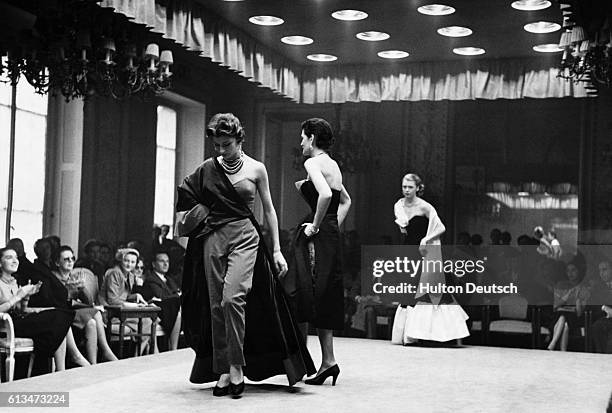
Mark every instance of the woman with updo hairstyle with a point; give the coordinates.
(435, 316)
(235, 315)
(315, 281)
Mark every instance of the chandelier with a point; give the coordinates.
(587, 44)
(79, 49)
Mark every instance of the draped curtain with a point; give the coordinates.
(445, 80)
(189, 24)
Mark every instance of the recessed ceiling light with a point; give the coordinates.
(542, 27)
(468, 51)
(233, 0)
(393, 54)
(436, 9)
(372, 36)
(349, 15)
(297, 40)
(548, 48)
(454, 31)
(531, 5)
(320, 57)
(266, 20)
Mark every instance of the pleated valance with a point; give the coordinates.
(448, 80)
(189, 24)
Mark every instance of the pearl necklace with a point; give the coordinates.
(232, 167)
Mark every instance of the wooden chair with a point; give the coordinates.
(11, 345)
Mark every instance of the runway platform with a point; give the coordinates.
(376, 376)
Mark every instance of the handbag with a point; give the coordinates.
(399, 323)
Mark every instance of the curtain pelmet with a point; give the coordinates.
(188, 23)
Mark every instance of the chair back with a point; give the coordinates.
(513, 307)
(89, 294)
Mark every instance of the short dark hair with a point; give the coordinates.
(64, 248)
(225, 124)
(322, 131)
(5, 249)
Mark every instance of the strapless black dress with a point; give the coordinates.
(314, 280)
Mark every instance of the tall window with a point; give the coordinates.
(165, 166)
(29, 167)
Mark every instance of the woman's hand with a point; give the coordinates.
(310, 229)
(28, 289)
(423, 247)
(139, 300)
(280, 264)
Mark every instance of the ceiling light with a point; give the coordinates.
(372, 36)
(297, 40)
(266, 20)
(436, 9)
(469, 51)
(531, 5)
(232, 0)
(349, 15)
(454, 31)
(393, 54)
(548, 48)
(320, 57)
(542, 27)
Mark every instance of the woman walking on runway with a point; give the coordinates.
(314, 280)
(234, 311)
(436, 317)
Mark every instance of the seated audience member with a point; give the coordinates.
(52, 293)
(601, 300)
(570, 297)
(46, 327)
(166, 294)
(505, 238)
(91, 259)
(139, 275)
(106, 256)
(87, 318)
(119, 288)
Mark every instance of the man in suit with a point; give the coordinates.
(164, 292)
(602, 300)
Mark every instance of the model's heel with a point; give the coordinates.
(333, 371)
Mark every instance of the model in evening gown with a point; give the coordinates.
(435, 317)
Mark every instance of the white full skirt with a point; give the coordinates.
(427, 321)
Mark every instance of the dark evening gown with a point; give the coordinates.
(314, 280)
(443, 321)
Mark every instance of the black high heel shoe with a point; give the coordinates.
(333, 371)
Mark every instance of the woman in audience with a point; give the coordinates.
(139, 273)
(87, 318)
(46, 327)
(570, 297)
(52, 293)
(119, 288)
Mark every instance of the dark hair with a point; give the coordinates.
(506, 237)
(5, 249)
(89, 244)
(64, 248)
(158, 252)
(322, 131)
(225, 124)
(38, 245)
(417, 181)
